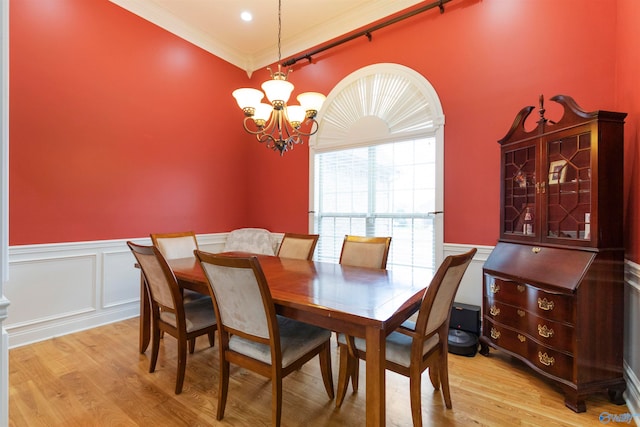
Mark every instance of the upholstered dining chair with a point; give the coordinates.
(360, 251)
(250, 333)
(253, 240)
(179, 245)
(298, 246)
(412, 348)
(170, 313)
(175, 245)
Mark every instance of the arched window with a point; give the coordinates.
(376, 165)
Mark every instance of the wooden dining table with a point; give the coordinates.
(362, 302)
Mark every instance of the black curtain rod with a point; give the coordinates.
(367, 33)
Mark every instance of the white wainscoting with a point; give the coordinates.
(470, 290)
(632, 338)
(57, 289)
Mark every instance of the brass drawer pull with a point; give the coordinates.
(544, 304)
(494, 310)
(522, 338)
(521, 313)
(494, 288)
(545, 359)
(521, 288)
(495, 334)
(544, 331)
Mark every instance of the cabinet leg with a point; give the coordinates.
(574, 402)
(615, 395)
(484, 348)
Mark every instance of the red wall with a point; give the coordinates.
(628, 100)
(117, 128)
(128, 141)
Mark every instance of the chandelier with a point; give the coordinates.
(277, 124)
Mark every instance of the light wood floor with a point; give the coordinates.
(98, 378)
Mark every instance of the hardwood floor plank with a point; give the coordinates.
(98, 378)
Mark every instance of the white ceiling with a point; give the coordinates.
(215, 25)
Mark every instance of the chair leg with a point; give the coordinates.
(355, 373)
(276, 399)
(344, 373)
(415, 378)
(212, 338)
(434, 376)
(182, 365)
(443, 369)
(325, 368)
(155, 346)
(192, 345)
(223, 387)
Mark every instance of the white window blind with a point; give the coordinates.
(379, 190)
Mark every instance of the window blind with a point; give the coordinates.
(379, 190)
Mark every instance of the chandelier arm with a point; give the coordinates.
(314, 128)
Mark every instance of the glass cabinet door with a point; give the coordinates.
(568, 188)
(519, 192)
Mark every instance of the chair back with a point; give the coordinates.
(253, 240)
(361, 251)
(159, 279)
(241, 297)
(437, 301)
(175, 245)
(298, 246)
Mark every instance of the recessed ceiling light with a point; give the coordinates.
(246, 16)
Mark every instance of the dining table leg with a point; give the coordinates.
(375, 366)
(145, 316)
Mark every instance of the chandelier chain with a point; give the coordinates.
(279, 30)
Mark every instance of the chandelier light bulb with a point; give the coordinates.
(248, 99)
(296, 115)
(278, 91)
(311, 102)
(262, 114)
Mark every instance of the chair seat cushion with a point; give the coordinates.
(398, 346)
(198, 314)
(189, 295)
(296, 338)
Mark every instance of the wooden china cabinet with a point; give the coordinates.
(553, 286)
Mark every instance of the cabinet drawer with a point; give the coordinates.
(514, 316)
(506, 338)
(506, 291)
(550, 333)
(549, 360)
(545, 304)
